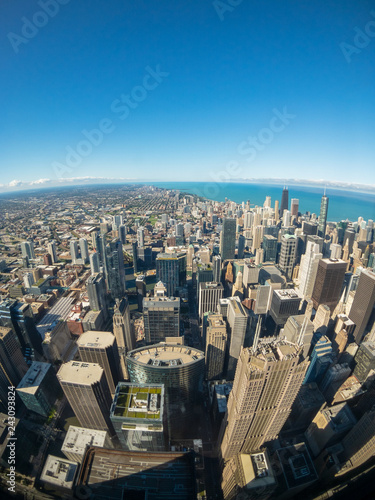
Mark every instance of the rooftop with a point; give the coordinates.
(136, 402)
(78, 372)
(34, 377)
(59, 472)
(166, 355)
(59, 312)
(96, 339)
(287, 294)
(297, 466)
(77, 438)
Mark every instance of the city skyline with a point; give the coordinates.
(216, 91)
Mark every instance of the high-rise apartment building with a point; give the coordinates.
(96, 290)
(27, 249)
(216, 343)
(101, 348)
(141, 237)
(85, 387)
(74, 251)
(228, 239)
(288, 254)
(267, 381)
(161, 316)
(94, 263)
(171, 270)
(323, 216)
(52, 250)
(209, 295)
(328, 282)
(363, 304)
(83, 246)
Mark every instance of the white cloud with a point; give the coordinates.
(40, 181)
(15, 183)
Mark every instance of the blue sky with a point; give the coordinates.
(187, 90)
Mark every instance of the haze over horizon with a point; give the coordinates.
(206, 91)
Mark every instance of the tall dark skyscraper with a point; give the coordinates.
(323, 216)
(97, 293)
(328, 283)
(115, 269)
(284, 201)
(228, 239)
(171, 270)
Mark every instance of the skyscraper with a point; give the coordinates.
(209, 295)
(294, 206)
(288, 254)
(228, 239)
(284, 201)
(27, 249)
(161, 317)
(85, 387)
(266, 384)
(216, 343)
(94, 263)
(74, 252)
(363, 304)
(270, 248)
(84, 250)
(141, 237)
(323, 216)
(51, 248)
(123, 331)
(96, 290)
(171, 270)
(237, 319)
(308, 269)
(216, 264)
(115, 269)
(328, 283)
(101, 348)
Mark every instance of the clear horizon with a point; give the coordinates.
(209, 91)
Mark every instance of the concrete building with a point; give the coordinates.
(97, 293)
(59, 473)
(228, 239)
(137, 415)
(363, 304)
(237, 319)
(171, 270)
(267, 381)
(85, 387)
(284, 303)
(364, 361)
(288, 253)
(124, 333)
(308, 269)
(328, 283)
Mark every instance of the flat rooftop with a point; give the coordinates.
(166, 355)
(115, 474)
(60, 311)
(287, 294)
(34, 377)
(135, 402)
(78, 372)
(297, 466)
(77, 438)
(59, 472)
(95, 339)
(277, 350)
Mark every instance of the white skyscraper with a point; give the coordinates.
(84, 250)
(308, 269)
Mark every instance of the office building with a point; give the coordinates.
(364, 361)
(284, 303)
(86, 389)
(228, 239)
(328, 282)
(97, 293)
(208, 298)
(13, 365)
(122, 233)
(52, 250)
(216, 344)
(284, 201)
(308, 402)
(363, 304)
(74, 252)
(267, 381)
(161, 317)
(250, 475)
(299, 330)
(78, 439)
(323, 216)
(329, 426)
(237, 319)
(287, 255)
(141, 237)
(137, 415)
(359, 443)
(101, 348)
(59, 474)
(179, 368)
(39, 388)
(171, 270)
(124, 332)
(216, 265)
(308, 269)
(320, 359)
(310, 227)
(270, 248)
(294, 206)
(335, 251)
(139, 475)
